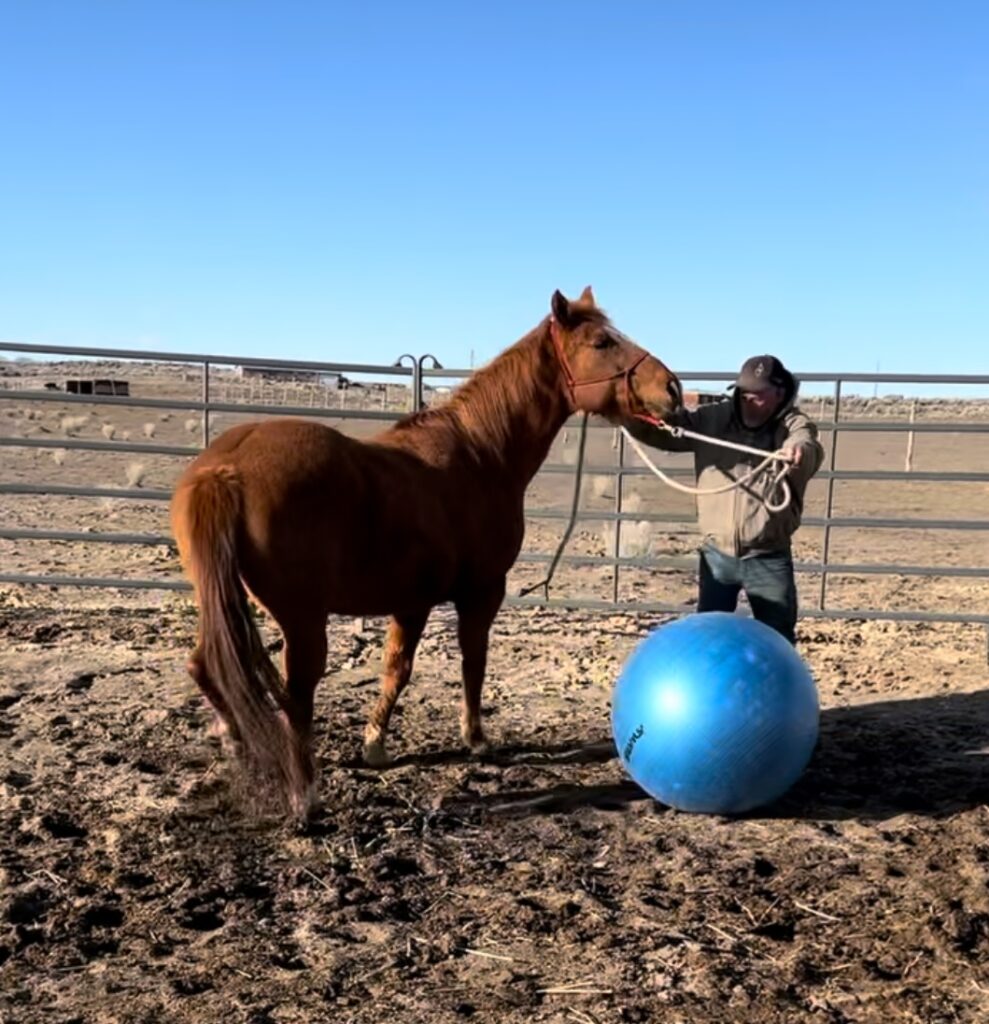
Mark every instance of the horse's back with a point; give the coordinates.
(332, 521)
(276, 445)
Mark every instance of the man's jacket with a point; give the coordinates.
(737, 521)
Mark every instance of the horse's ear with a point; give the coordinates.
(560, 305)
(587, 298)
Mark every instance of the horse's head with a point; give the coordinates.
(605, 372)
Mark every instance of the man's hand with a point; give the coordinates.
(794, 454)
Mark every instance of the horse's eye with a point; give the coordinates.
(604, 341)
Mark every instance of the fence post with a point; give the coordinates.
(908, 462)
(829, 504)
(619, 488)
(205, 404)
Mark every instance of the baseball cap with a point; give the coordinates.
(761, 372)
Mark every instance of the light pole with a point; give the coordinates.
(416, 371)
(437, 365)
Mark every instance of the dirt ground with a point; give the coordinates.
(535, 884)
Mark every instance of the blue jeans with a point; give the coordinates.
(767, 580)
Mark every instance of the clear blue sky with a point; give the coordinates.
(352, 181)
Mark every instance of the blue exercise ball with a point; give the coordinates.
(715, 713)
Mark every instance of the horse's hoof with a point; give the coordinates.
(375, 755)
(479, 748)
(217, 728)
(303, 805)
(231, 749)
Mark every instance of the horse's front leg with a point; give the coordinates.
(404, 632)
(474, 617)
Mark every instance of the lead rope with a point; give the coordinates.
(570, 523)
(779, 482)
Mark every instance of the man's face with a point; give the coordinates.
(758, 406)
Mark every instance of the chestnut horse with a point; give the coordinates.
(311, 523)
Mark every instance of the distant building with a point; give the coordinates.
(287, 375)
(97, 386)
(692, 399)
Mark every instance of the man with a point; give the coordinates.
(745, 545)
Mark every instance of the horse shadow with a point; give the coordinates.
(925, 756)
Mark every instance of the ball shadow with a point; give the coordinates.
(925, 756)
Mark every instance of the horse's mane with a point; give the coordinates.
(480, 413)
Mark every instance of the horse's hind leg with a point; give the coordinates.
(304, 663)
(474, 618)
(404, 632)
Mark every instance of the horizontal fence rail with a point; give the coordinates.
(672, 562)
(200, 405)
(193, 405)
(199, 359)
(867, 522)
(414, 371)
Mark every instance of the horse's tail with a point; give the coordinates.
(241, 679)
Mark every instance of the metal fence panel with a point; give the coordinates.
(416, 372)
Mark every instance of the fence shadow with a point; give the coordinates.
(925, 756)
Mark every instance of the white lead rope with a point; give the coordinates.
(779, 480)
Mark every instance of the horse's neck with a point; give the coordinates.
(512, 410)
